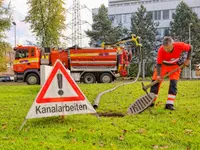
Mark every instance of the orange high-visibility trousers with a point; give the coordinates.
(174, 77)
(165, 69)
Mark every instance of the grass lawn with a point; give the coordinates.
(155, 128)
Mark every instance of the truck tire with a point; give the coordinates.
(32, 79)
(106, 78)
(89, 78)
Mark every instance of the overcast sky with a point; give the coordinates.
(20, 10)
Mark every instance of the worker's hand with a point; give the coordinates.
(187, 62)
(159, 78)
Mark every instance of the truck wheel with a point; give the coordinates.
(89, 78)
(106, 78)
(32, 79)
(15, 79)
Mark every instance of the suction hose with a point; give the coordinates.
(97, 99)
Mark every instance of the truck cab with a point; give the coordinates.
(27, 64)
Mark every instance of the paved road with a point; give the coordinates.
(12, 83)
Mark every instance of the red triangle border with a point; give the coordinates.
(41, 99)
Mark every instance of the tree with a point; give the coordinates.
(5, 23)
(102, 29)
(143, 25)
(47, 19)
(179, 28)
(123, 31)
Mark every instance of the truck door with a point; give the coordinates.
(34, 59)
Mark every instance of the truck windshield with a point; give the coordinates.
(21, 54)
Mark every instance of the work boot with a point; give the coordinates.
(169, 106)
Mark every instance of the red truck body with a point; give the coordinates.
(88, 65)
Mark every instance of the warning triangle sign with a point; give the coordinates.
(60, 95)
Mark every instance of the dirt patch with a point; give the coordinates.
(111, 114)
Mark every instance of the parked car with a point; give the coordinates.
(5, 79)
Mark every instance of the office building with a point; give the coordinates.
(120, 11)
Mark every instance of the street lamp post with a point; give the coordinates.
(14, 23)
(191, 51)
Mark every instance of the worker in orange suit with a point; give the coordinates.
(170, 56)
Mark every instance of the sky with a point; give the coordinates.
(23, 30)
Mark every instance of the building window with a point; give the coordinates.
(157, 15)
(128, 18)
(163, 32)
(165, 14)
(151, 13)
(126, 4)
(115, 19)
(198, 11)
(124, 19)
(112, 5)
(111, 17)
(173, 12)
(118, 19)
(159, 31)
(194, 9)
(166, 31)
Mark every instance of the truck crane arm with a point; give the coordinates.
(133, 38)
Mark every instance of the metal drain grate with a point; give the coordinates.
(141, 104)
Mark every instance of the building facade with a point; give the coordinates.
(120, 11)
